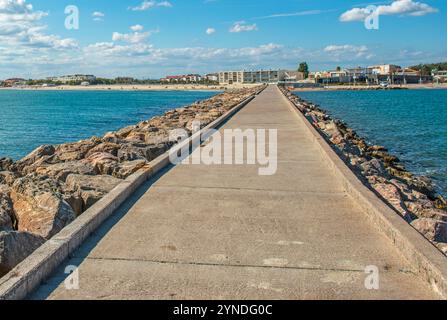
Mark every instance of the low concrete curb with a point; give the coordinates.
(29, 274)
(428, 261)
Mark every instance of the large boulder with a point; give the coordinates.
(38, 157)
(6, 211)
(104, 147)
(76, 151)
(126, 168)
(39, 205)
(103, 162)
(89, 189)
(393, 196)
(432, 229)
(5, 164)
(15, 247)
(8, 177)
(60, 171)
(131, 152)
(373, 168)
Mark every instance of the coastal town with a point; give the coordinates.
(375, 75)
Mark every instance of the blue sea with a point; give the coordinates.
(29, 119)
(412, 124)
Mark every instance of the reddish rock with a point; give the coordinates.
(393, 196)
(39, 155)
(39, 205)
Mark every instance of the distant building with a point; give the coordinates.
(73, 78)
(183, 78)
(125, 80)
(259, 76)
(440, 76)
(384, 69)
(292, 76)
(213, 77)
(389, 73)
(13, 82)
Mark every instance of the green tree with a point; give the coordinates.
(304, 68)
(338, 68)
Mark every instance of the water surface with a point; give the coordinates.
(29, 119)
(412, 124)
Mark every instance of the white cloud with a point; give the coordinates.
(398, 7)
(20, 28)
(210, 31)
(135, 37)
(137, 27)
(148, 4)
(242, 26)
(348, 51)
(98, 16)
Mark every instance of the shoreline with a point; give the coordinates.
(133, 88)
(373, 88)
(49, 188)
(413, 197)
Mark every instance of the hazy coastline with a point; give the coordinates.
(152, 87)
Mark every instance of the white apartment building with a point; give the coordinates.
(260, 76)
(73, 78)
(440, 75)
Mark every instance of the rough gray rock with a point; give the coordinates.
(5, 164)
(89, 189)
(126, 168)
(374, 168)
(15, 247)
(432, 229)
(6, 211)
(8, 177)
(60, 171)
(103, 162)
(142, 151)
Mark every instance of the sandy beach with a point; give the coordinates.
(153, 87)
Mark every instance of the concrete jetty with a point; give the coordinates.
(225, 232)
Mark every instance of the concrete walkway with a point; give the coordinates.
(224, 232)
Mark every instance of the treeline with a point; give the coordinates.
(428, 68)
(105, 81)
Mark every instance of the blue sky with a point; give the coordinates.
(152, 38)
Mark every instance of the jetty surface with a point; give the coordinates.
(226, 232)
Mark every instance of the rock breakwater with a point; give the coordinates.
(46, 190)
(412, 197)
